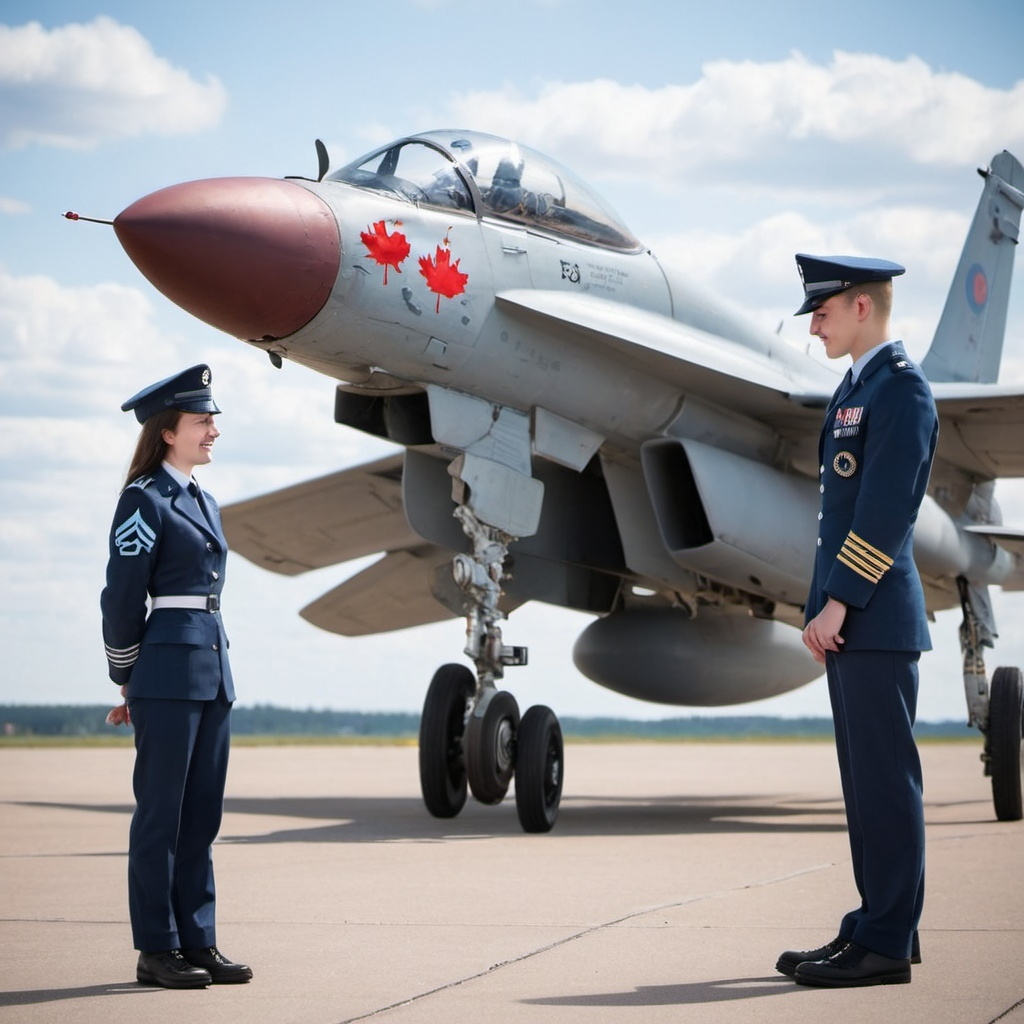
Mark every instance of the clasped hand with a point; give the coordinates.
(821, 634)
(120, 714)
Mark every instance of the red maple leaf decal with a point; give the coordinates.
(387, 250)
(443, 276)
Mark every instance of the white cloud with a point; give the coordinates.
(62, 349)
(754, 265)
(789, 118)
(13, 207)
(77, 85)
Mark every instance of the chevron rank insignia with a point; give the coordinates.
(134, 535)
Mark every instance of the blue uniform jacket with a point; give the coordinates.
(875, 455)
(161, 545)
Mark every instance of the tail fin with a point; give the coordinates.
(968, 342)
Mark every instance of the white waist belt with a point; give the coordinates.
(202, 602)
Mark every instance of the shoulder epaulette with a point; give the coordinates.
(898, 362)
(141, 482)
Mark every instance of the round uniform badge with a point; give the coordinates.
(845, 464)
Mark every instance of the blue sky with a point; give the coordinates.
(727, 138)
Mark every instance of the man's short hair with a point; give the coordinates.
(879, 292)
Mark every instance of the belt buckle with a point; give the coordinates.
(213, 602)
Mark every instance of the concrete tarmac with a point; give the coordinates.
(675, 876)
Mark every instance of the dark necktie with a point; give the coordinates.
(197, 494)
(844, 389)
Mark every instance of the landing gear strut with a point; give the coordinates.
(471, 731)
(999, 713)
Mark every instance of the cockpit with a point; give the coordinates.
(489, 176)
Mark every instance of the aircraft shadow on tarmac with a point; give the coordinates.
(362, 819)
(346, 819)
(373, 820)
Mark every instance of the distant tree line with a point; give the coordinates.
(266, 720)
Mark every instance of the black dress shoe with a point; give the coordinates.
(218, 966)
(170, 969)
(852, 967)
(793, 958)
(789, 961)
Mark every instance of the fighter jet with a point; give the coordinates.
(579, 425)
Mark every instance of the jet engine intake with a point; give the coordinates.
(731, 519)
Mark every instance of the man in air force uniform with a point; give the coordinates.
(865, 614)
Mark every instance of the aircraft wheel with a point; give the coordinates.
(442, 724)
(491, 747)
(1004, 736)
(539, 769)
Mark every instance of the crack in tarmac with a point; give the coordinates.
(583, 933)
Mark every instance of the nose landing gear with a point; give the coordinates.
(470, 731)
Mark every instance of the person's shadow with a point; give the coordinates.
(719, 991)
(32, 997)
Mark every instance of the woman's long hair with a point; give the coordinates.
(150, 447)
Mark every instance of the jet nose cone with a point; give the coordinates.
(254, 257)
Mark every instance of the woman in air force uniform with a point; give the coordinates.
(166, 648)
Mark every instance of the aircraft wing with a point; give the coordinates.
(982, 425)
(393, 593)
(334, 518)
(981, 428)
(702, 364)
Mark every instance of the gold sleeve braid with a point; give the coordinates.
(862, 558)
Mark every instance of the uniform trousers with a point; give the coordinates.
(181, 760)
(874, 704)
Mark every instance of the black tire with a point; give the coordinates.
(1004, 742)
(540, 769)
(442, 764)
(491, 747)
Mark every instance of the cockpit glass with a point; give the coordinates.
(413, 171)
(513, 183)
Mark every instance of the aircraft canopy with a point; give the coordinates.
(490, 176)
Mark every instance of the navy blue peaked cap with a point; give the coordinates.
(188, 391)
(825, 276)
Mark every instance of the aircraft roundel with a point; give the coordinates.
(977, 288)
